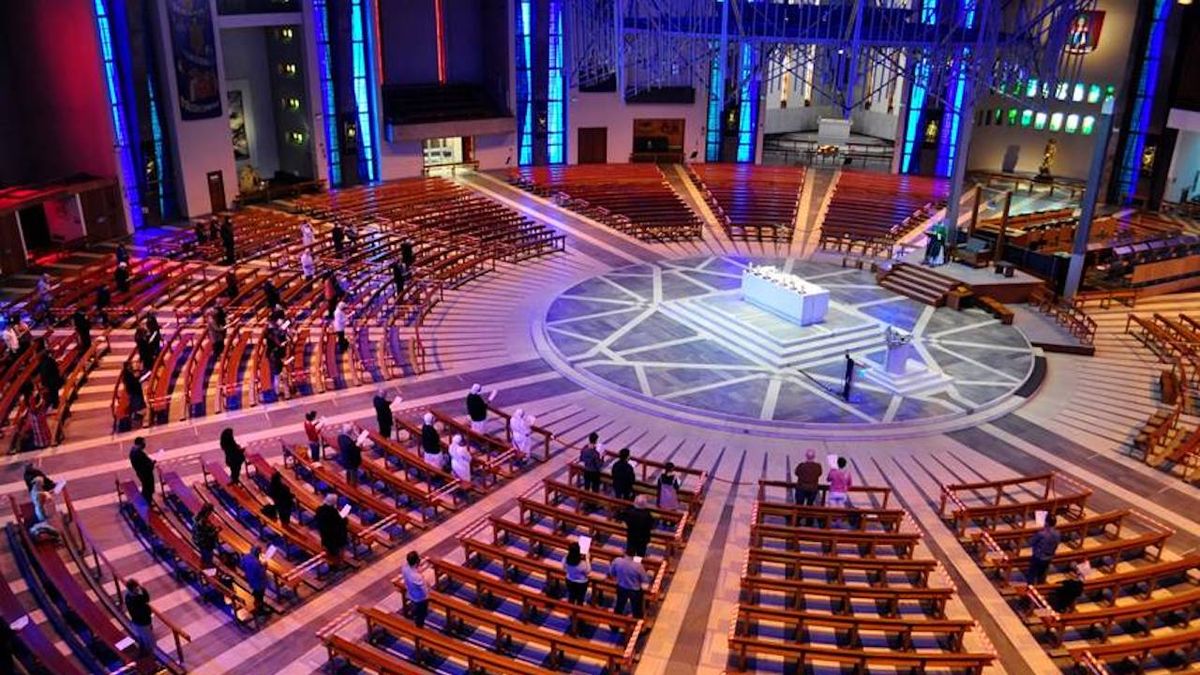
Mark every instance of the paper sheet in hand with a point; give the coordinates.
(270, 552)
(1039, 517)
(397, 404)
(637, 559)
(146, 375)
(20, 623)
(125, 643)
(345, 511)
(161, 452)
(492, 396)
(585, 545)
(285, 325)
(1084, 568)
(363, 437)
(832, 461)
(58, 487)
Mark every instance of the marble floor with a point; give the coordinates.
(500, 330)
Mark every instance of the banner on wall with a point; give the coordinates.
(195, 54)
(1084, 33)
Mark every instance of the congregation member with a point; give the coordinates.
(145, 352)
(231, 284)
(204, 536)
(668, 488)
(631, 580)
(417, 582)
(312, 431)
(308, 267)
(339, 325)
(577, 569)
(406, 253)
(143, 468)
(1044, 543)
(639, 523)
(51, 376)
(477, 409)
(227, 241)
(338, 234)
(840, 481)
(9, 335)
(45, 511)
(122, 254)
(35, 431)
(83, 328)
(31, 472)
(332, 529)
(235, 455)
(282, 497)
(460, 460)
(214, 323)
(307, 237)
(103, 300)
(520, 427)
(623, 477)
(399, 279)
(271, 295)
(1064, 596)
(349, 453)
(141, 617)
(808, 479)
(592, 461)
(383, 413)
(121, 277)
(431, 442)
(256, 577)
(134, 393)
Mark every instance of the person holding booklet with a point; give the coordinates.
(577, 568)
(631, 581)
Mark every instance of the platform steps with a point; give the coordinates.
(920, 284)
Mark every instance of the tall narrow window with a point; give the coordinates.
(361, 80)
(524, 83)
(333, 154)
(556, 87)
(747, 105)
(116, 109)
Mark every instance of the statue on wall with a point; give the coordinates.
(1048, 160)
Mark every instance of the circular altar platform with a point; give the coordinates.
(675, 338)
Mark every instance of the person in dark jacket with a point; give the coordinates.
(143, 468)
(137, 603)
(32, 472)
(83, 328)
(103, 300)
(256, 577)
(349, 454)
(623, 477)
(121, 277)
(227, 241)
(431, 442)
(281, 495)
(133, 390)
(122, 254)
(339, 237)
(153, 333)
(51, 376)
(332, 528)
(383, 413)
(141, 342)
(204, 535)
(477, 408)
(235, 455)
(639, 522)
(271, 293)
(231, 284)
(406, 253)
(399, 278)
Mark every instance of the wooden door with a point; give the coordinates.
(12, 246)
(593, 145)
(216, 191)
(102, 212)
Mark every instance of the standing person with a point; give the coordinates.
(460, 460)
(306, 234)
(331, 526)
(592, 462)
(576, 568)
(349, 453)
(281, 495)
(416, 587)
(256, 577)
(137, 603)
(631, 579)
(338, 233)
(1044, 543)
(520, 427)
(808, 479)
(235, 455)
(11, 342)
(383, 413)
(153, 332)
(1064, 596)
(83, 328)
(143, 468)
(52, 379)
(839, 486)
(848, 377)
(121, 277)
(276, 353)
(231, 284)
(227, 241)
(141, 342)
(477, 408)
(271, 295)
(399, 279)
(668, 488)
(204, 536)
(623, 477)
(133, 391)
(215, 324)
(339, 326)
(639, 523)
(406, 253)
(122, 254)
(431, 442)
(103, 300)
(332, 293)
(201, 232)
(313, 433)
(37, 422)
(308, 267)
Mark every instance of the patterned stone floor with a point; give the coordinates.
(676, 334)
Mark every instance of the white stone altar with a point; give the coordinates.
(787, 295)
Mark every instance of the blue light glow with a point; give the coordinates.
(159, 153)
(747, 105)
(361, 80)
(524, 84)
(328, 108)
(916, 104)
(129, 181)
(1143, 102)
(556, 86)
(716, 91)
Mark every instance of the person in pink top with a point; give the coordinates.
(839, 486)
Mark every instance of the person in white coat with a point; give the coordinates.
(460, 459)
(516, 429)
(308, 267)
(340, 321)
(523, 436)
(306, 234)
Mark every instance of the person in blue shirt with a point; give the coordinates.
(256, 576)
(416, 587)
(1044, 543)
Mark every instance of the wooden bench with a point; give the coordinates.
(995, 308)
(862, 660)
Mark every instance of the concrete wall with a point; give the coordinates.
(244, 51)
(409, 41)
(609, 110)
(1106, 65)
